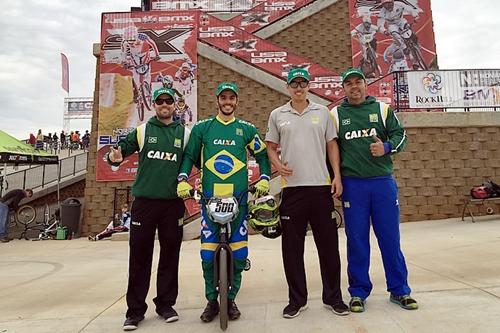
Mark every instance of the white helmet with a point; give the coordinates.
(130, 33)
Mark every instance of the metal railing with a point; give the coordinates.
(39, 176)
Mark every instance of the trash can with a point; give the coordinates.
(70, 216)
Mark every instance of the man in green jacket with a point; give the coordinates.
(369, 133)
(160, 143)
(222, 142)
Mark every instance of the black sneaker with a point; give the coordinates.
(5, 239)
(169, 314)
(292, 311)
(404, 301)
(357, 304)
(340, 309)
(211, 311)
(131, 323)
(232, 310)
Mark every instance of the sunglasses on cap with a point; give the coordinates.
(160, 101)
(295, 84)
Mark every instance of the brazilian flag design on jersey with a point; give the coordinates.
(223, 148)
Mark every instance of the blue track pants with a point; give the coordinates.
(374, 199)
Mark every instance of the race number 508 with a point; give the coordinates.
(224, 207)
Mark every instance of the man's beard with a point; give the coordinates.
(160, 114)
(226, 113)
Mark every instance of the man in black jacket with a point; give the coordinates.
(10, 201)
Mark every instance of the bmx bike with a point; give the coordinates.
(223, 211)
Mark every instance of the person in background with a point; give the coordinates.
(63, 137)
(86, 140)
(48, 142)
(10, 201)
(39, 140)
(32, 140)
(55, 143)
(124, 225)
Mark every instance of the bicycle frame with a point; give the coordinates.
(46, 229)
(222, 211)
(45, 233)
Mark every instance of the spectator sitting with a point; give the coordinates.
(111, 228)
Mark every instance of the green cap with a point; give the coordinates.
(226, 86)
(297, 72)
(352, 71)
(162, 91)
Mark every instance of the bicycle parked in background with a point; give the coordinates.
(25, 218)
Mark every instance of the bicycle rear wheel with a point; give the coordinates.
(223, 288)
(26, 214)
(338, 217)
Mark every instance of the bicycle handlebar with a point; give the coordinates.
(195, 193)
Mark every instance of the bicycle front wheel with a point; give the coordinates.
(223, 288)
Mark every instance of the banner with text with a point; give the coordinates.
(265, 13)
(78, 106)
(141, 52)
(458, 88)
(203, 5)
(268, 57)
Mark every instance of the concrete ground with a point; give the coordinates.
(79, 286)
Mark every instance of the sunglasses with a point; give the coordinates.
(295, 84)
(160, 101)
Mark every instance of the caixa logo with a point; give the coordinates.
(432, 83)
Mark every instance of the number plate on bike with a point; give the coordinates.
(142, 69)
(222, 210)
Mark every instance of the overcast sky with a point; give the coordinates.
(35, 32)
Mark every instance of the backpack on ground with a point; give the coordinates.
(488, 190)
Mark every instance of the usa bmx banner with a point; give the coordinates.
(454, 89)
(202, 5)
(267, 56)
(141, 52)
(265, 13)
(389, 36)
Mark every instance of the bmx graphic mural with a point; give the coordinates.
(391, 35)
(140, 53)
